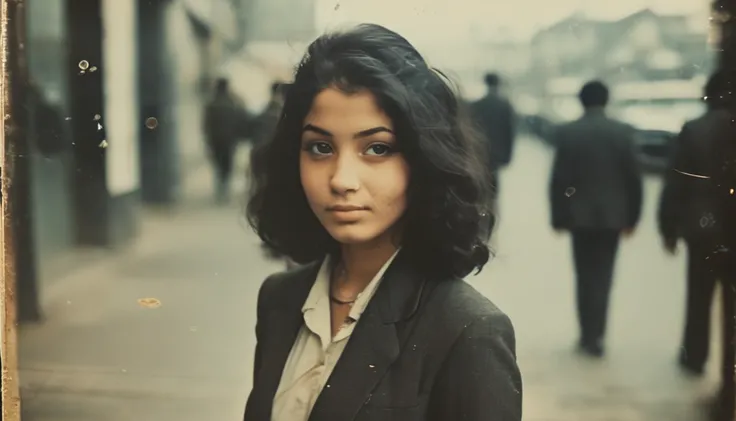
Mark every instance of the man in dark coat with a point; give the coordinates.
(692, 208)
(495, 117)
(596, 195)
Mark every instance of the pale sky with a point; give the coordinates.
(435, 20)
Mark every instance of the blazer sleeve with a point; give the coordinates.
(480, 379)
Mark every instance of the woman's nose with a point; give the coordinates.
(345, 176)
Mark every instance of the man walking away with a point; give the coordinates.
(692, 208)
(495, 117)
(596, 195)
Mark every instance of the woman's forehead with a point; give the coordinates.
(348, 111)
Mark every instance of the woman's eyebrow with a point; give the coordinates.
(360, 134)
(315, 129)
(369, 132)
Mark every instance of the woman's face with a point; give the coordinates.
(354, 178)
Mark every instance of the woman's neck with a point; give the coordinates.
(360, 263)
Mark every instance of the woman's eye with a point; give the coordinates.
(379, 149)
(319, 148)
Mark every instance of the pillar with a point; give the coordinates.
(159, 165)
(104, 117)
(19, 257)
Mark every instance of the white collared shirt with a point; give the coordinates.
(315, 352)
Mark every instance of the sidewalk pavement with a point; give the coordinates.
(103, 355)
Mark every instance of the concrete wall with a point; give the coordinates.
(280, 20)
(121, 96)
(189, 58)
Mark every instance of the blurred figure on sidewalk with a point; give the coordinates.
(225, 118)
(691, 209)
(495, 117)
(596, 195)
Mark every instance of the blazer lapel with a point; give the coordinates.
(283, 320)
(373, 345)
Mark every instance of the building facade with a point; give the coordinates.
(641, 46)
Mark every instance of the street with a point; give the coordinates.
(187, 355)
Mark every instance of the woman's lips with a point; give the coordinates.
(346, 208)
(347, 213)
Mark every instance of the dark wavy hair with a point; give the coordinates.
(449, 188)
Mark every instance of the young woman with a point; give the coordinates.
(373, 182)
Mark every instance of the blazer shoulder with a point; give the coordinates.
(459, 318)
(466, 306)
(623, 125)
(281, 283)
(697, 124)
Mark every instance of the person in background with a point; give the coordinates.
(225, 116)
(691, 209)
(595, 194)
(495, 117)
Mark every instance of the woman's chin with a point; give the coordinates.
(353, 234)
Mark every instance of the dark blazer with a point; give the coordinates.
(691, 204)
(596, 182)
(422, 350)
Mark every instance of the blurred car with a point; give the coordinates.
(658, 110)
(653, 149)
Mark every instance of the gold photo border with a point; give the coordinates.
(9, 349)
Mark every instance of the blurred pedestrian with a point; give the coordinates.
(373, 184)
(495, 117)
(692, 209)
(225, 117)
(596, 195)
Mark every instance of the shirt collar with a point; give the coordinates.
(321, 288)
(319, 295)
